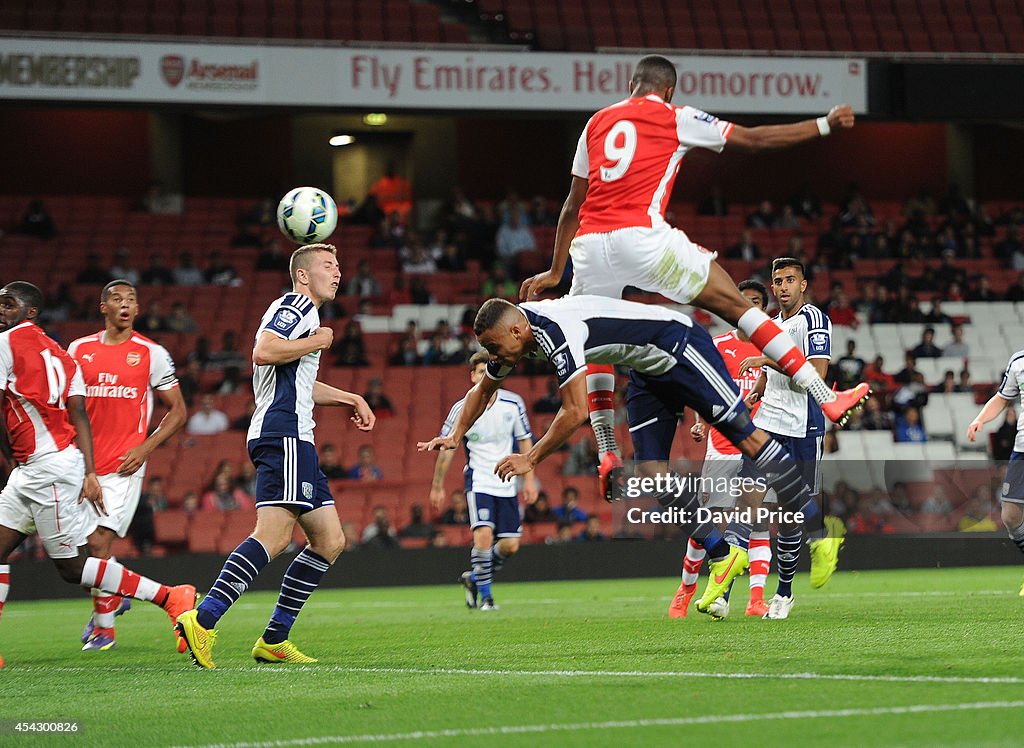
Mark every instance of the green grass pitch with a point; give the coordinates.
(876, 658)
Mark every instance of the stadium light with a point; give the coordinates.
(375, 119)
(340, 140)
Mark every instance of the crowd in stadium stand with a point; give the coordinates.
(936, 252)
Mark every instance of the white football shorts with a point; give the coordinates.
(661, 260)
(42, 496)
(121, 499)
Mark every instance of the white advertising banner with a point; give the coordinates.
(345, 77)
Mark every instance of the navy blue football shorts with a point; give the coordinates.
(288, 474)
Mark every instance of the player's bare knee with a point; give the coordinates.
(483, 537)
(70, 569)
(508, 546)
(100, 542)
(1012, 515)
(329, 548)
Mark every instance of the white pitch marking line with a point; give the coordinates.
(625, 724)
(306, 669)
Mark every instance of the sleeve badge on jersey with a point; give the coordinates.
(133, 358)
(561, 362)
(285, 319)
(818, 340)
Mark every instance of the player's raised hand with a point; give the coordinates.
(973, 429)
(438, 444)
(751, 399)
(697, 432)
(132, 460)
(324, 337)
(513, 465)
(363, 418)
(535, 284)
(93, 493)
(841, 117)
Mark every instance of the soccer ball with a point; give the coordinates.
(307, 215)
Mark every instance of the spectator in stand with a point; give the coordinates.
(458, 510)
(550, 402)
(272, 258)
(399, 292)
(37, 222)
(840, 311)
(377, 400)
(207, 421)
(977, 516)
(497, 283)
(187, 273)
(419, 293)
(228, 357)
(982, 291)
(913, 394)
(764, 217)
(201, 352)
(1010, 249)
(908, 427)
(540, 510)
(368, 212)
(954, 292)
(850, 367)
(179, 320)
(592, 531)
(220, 273)
(936, 316)
(155, 495)
(926, 348)
(957, 347)
(965, 381)
(93, 273)
(714, 204)
(190, 502)
(60, 305)
(874, 417)
(582, 456)
(419, 261)
(570, 510)
(910, 311)
(223, 496)
(788, 219)
(417, 527)
(883, 308)
(1005, 437)
(805, 203)
(406, 353)
(245, 418)
(379, 532)
(948, 383)
(451, 259)
(920, 204)
(909, 370)
(514, 237)
(365, 469)
(350, 350)
(246, 479)
(433, 353)
(563, 534)
(157, 274)
(153, 321)
(123, 268)
(1016, 291)
(855, 208)
(393, 192)
(363, 284)
(189, 382)
(745, 249)
(540, 214)
(262, 214)
(231, 382)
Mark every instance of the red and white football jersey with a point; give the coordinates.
(119, 384)
(630, 153)
(38, 376)
(734, 350)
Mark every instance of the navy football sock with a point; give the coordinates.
(240, 568)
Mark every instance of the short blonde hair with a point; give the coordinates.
(302, 257)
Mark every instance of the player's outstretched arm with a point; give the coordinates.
(995, 405)
(441, 465)
(573, 413)
(472, 408)
(363, 417)
(774, 137)
(568, 225)
(79, 418)
(272, 350)
(530, 486)
(170, 424)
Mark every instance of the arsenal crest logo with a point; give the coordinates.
(173, 69)
(133, 358)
